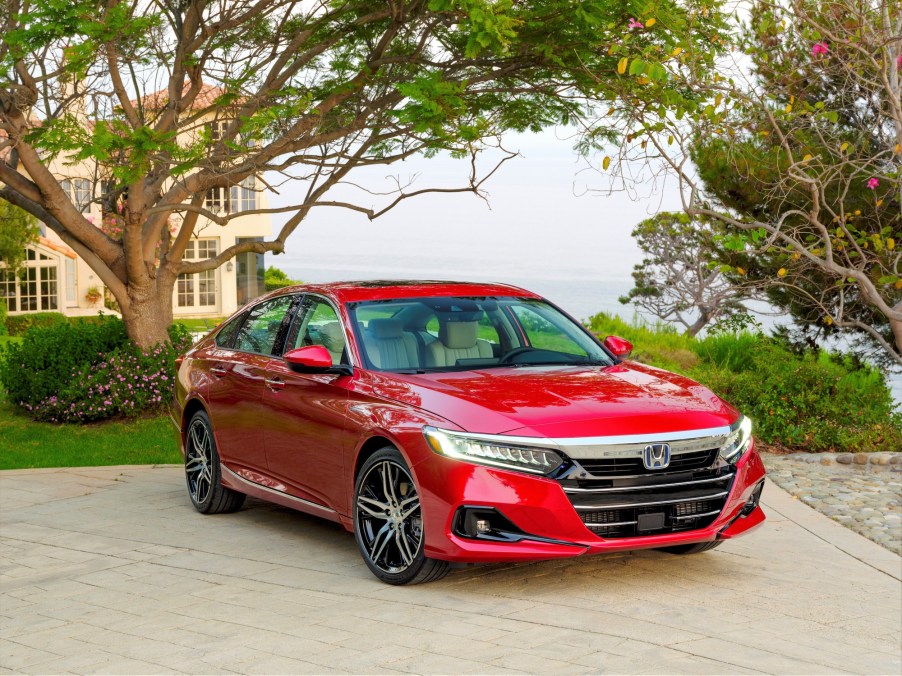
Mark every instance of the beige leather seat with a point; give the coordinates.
(389, 346)
(457, 340)
(333, 339)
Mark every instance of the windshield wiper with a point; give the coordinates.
(585, 362)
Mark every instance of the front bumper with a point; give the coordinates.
(541, 511)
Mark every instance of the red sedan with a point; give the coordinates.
(449, 422)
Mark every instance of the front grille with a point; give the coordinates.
(629, 466)
(620, 505)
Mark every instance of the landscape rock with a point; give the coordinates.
(862, 491)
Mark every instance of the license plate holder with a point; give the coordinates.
(648, 522)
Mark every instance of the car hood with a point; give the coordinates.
(562, 401)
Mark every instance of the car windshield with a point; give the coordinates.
(416, 335)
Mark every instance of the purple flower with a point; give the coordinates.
(873, 183)
(820, 49)
(635, 24)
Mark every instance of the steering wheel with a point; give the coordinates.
(506, 358)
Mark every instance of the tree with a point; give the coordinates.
(683, 276)
(274, 278)
(167, 101)
(794, 143)
(18, 229)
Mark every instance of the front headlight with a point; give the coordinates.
(484, 452)
(739, 441)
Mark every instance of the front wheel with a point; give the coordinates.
(697, 548)
(388, 523)
(202, 473)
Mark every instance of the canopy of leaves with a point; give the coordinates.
(795, 133)
(167, 101)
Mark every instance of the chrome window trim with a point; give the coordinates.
(615, 446)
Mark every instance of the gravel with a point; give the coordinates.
(862, 491)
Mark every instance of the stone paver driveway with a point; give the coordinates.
(111, 570)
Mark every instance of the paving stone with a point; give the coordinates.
(90, 583)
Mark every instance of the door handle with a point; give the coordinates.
(219, 371)
(274, 383)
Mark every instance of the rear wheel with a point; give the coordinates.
(697, 548)
(388, 523)
(202, 473)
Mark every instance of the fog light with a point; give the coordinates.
(753, 500)
(483, 526)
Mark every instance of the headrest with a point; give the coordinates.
(385, 328)
(459, 335)
(332, 336)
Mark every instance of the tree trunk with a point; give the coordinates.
(700, 323)
(148, 314)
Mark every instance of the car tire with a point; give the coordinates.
(697, 548)
(388, 524)
(203, 475)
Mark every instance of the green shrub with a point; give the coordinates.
(3, 313)
(18, 325)
(809, 401)
(43, 363)
(273, 279)
(101, 375)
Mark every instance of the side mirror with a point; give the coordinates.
(314, 359)
(620, 347)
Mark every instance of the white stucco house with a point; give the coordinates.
(55, 279)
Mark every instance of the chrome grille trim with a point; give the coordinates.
(725, 477)
(630, 505)
(613, 523)
(694, 516)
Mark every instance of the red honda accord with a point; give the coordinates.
(449, 422)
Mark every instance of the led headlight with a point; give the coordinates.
(739, 440)
(485, 452)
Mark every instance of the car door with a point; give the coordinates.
(305, 425)
(235, 396)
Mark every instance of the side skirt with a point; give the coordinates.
(239, 483)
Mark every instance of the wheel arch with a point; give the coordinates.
(192, 406)
(371, 446)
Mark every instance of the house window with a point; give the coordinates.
(79, 191)
(244, 195)
(217, 200)
(199, 289)
(34, 288)
(250, 272)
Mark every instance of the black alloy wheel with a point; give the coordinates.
(202, 472)
(388, 522)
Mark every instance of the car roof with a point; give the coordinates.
(356, 291)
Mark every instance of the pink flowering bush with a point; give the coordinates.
(86, 373)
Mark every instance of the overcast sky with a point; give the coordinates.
(541, 229)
